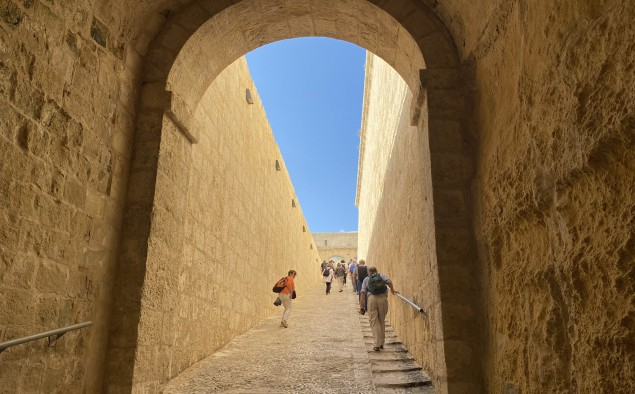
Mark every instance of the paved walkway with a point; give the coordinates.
(326, 349)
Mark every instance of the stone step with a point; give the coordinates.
(399, 379)
(393, 366)
(388, 339)
(382, 356)
(388, 342)
(387, 350)
(405, 390)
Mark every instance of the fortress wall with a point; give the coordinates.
(240, 234)
(553, 192)
(396, 222)
(66, 111)
(552, 121)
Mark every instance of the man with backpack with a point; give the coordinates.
(327, 276)
(340, 275)
(375, 289)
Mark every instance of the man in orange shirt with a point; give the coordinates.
(286, 296)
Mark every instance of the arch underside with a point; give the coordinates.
(200, 40)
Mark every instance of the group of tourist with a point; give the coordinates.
(332, 272)
(371, 287)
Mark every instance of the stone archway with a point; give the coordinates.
(192, 48)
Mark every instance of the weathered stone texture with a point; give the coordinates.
(396, 222)
(223, 230)
(555, 194)
(537, 166)
(62, 186)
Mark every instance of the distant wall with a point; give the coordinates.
(336, 244)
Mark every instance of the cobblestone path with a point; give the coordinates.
(326, 349)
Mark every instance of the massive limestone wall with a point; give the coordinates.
(396, 222)
(229, 225)
(66, 108)
(553, 194)
(552, 86)
(68, 87)
(555, 190)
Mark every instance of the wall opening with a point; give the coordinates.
(185, 58)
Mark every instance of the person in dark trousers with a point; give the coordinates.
(362, 273)
(375, 289)
(343, 263)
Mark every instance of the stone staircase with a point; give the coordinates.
(394, 370)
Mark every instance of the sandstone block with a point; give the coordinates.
(53, 72)
(47, 311)
(441, 78)
(158, 65)
(22, 197)
(10, 121)
(453, 244)
(446, 135)
(16, 306)
(17, 270)
(52, 214)
(452, 206)
(74, 134)
(75, 193)
(10, 14)
(451, 169)
(7, 81)
(100, 178)
(33, 139)
(95, 204)
(154, 96)
(28, 98)
(446, 103)
(32, 375)
(459, 357)
(441, 45)
(51, 277)
(54, 118)
(100, 33)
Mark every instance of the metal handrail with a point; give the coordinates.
(55, 334)
(412, 304)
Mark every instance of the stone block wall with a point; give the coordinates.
(551, 208)
(552, 194)
(555, 223)
(396, 221)
(224, 229)
(66, 107)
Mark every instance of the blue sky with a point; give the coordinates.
(312, 90)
